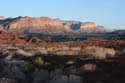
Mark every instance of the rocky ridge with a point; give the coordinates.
(48, 25)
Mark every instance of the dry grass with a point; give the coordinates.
(98, 52)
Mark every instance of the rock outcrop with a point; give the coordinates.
(47, 25)
(88, 25)
(84, 27)
(34, 25)
(11, 38)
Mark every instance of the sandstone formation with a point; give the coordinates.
(34, 25)
(88, 26)
(47, 25)
(11, 38)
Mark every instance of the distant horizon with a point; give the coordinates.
(108, 13)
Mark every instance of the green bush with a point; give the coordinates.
(38, 62)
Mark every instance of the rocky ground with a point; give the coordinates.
(62, 63)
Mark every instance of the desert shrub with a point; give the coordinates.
(98, 52)
(109, 52)
(89, 67)
(94, 52)
(39, 61)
